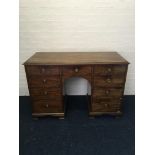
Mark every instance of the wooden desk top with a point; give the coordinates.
(71, 58)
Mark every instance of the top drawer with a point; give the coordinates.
(76, 70)
(109, 69)
(42, 70)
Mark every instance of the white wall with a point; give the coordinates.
(77, 25)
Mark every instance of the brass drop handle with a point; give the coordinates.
(45, 92)
(43, 70)
(46, 106)
(118, 111)
(107, 92)
(106, 105)
(109, 80)
(76, 70)
(44, 80)
(109, 69)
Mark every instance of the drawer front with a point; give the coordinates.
(49, 91)
(76, 71)
(42, 70)
(53, 99)
(105, 107)
(108, 92)
(46, 106)
(109, 100)
(109, 81)
(43, 81)
(106, 104)
(101, 100)
(110, 70)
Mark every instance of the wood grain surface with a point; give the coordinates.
(64, 58)
(46, 73)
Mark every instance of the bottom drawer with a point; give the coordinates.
(106, 105)
(46, 106)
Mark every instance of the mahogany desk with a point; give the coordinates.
(47, 71)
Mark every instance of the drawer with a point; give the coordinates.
(76, 71)
(110, 100)
(49, 91)
(106, 104)
(35, 81)
(42, 70)
(53, 99)
(46, 106)
(108, 92)
(105, 107)
(110, 69)
(109, 81)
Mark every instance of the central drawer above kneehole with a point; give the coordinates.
(75, 70)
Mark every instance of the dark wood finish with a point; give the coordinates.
(46, 106)
(47, 71)
(102, 99)
(108, 92)
(109, 81)
(76, 70)
(43, 70)
(101, 70)
(75, 58)
(49, 91)
(42, 81)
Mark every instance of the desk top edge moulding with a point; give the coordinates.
(46, 73)
(65, 58)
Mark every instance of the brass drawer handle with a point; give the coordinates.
(106, 105)
(44, 80)
(43, 70)
(45, 92)
(109, 69)
(107, 92)
(46, 105)
(109, 80)
(76, 70)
